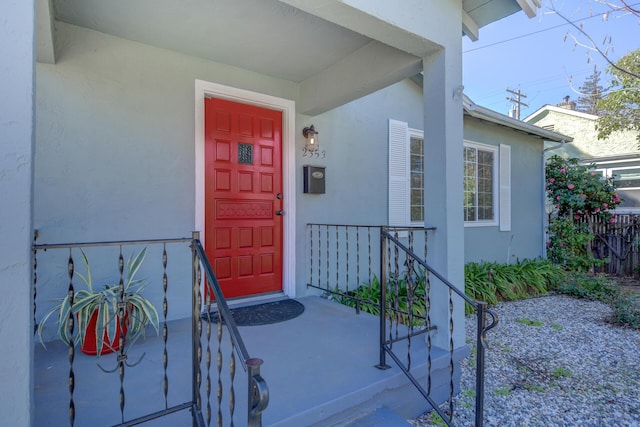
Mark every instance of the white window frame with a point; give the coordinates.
(501, 186)
(418, 134)
(494, 150)
(399, 174)
(608, 173)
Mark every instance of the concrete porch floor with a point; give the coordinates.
(319, 368)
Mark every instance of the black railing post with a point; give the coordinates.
(383, 299)
(480, 348)
(195, 335)
(258, 393)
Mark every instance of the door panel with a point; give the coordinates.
(243, 177)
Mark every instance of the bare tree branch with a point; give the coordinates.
(594, 46)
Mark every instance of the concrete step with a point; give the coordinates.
(381, 417)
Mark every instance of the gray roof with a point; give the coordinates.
(485, 114)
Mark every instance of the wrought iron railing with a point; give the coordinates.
(383, 270)
(168, 386)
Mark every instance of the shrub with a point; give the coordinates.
(492, 282)
(626, 309)
(595, 288)
(399, 291)
(625, 305)
(577, 193)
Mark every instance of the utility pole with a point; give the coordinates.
(517, 100)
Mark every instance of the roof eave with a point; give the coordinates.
(488, 115)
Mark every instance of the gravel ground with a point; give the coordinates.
(554, 361)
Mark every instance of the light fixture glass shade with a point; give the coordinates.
(311, 139)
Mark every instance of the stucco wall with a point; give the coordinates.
(525, 238)
(585, 142)
(354, 142)
(115, 152)
(16, 168)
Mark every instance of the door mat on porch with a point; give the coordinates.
(262, 314)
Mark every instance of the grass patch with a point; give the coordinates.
(529, 322)
(557, 327)
(535, 387)
(436, 420)
(561, 373)
(502, 391)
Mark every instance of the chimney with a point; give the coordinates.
(569, 105)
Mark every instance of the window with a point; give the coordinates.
(487, 185)
(479, 183)
(487, 180)
(625, 178)
(416, 190)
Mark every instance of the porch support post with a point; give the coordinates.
(17, 50)
(443, 136)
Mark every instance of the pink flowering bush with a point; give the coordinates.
(578, 195)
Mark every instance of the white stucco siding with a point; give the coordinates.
(524, 240)
(17, 28)
(582, 127)
(115, 132)
(115, 151)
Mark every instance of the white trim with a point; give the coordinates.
(205, 89)
(608, 173)
(496, 187)
(418, 134)
(398, 174)
(505, 187)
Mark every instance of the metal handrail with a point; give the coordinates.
(221, 302)
(258, 391)
(45, 246)
(429, 268)
(481, 340)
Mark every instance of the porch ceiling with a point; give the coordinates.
(266, 36)
(305, 41)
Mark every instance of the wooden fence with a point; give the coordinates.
(619, 242)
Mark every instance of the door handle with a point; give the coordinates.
(280, 212)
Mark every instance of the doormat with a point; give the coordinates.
(262, 314)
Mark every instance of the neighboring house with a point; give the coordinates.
(618, 156)
(105, 136)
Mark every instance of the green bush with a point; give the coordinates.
(492, 282)
(626, 309)
(595, 288)
(577, 193)
(625, 305)
(399, 289)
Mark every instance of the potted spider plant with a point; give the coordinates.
(96, 311)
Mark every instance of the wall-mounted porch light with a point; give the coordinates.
(311, 139)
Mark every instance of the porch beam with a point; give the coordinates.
(45, 32)
(409, 28)
(370, 68)
(470, 27)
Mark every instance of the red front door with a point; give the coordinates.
(243, 196)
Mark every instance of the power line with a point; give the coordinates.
(541, 31)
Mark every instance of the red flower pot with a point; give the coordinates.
(89, 346)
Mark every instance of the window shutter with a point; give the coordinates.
(505, 187)
(398, 173)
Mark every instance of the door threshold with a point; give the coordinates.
(256, 299)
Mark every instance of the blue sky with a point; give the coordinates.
(531, 55)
